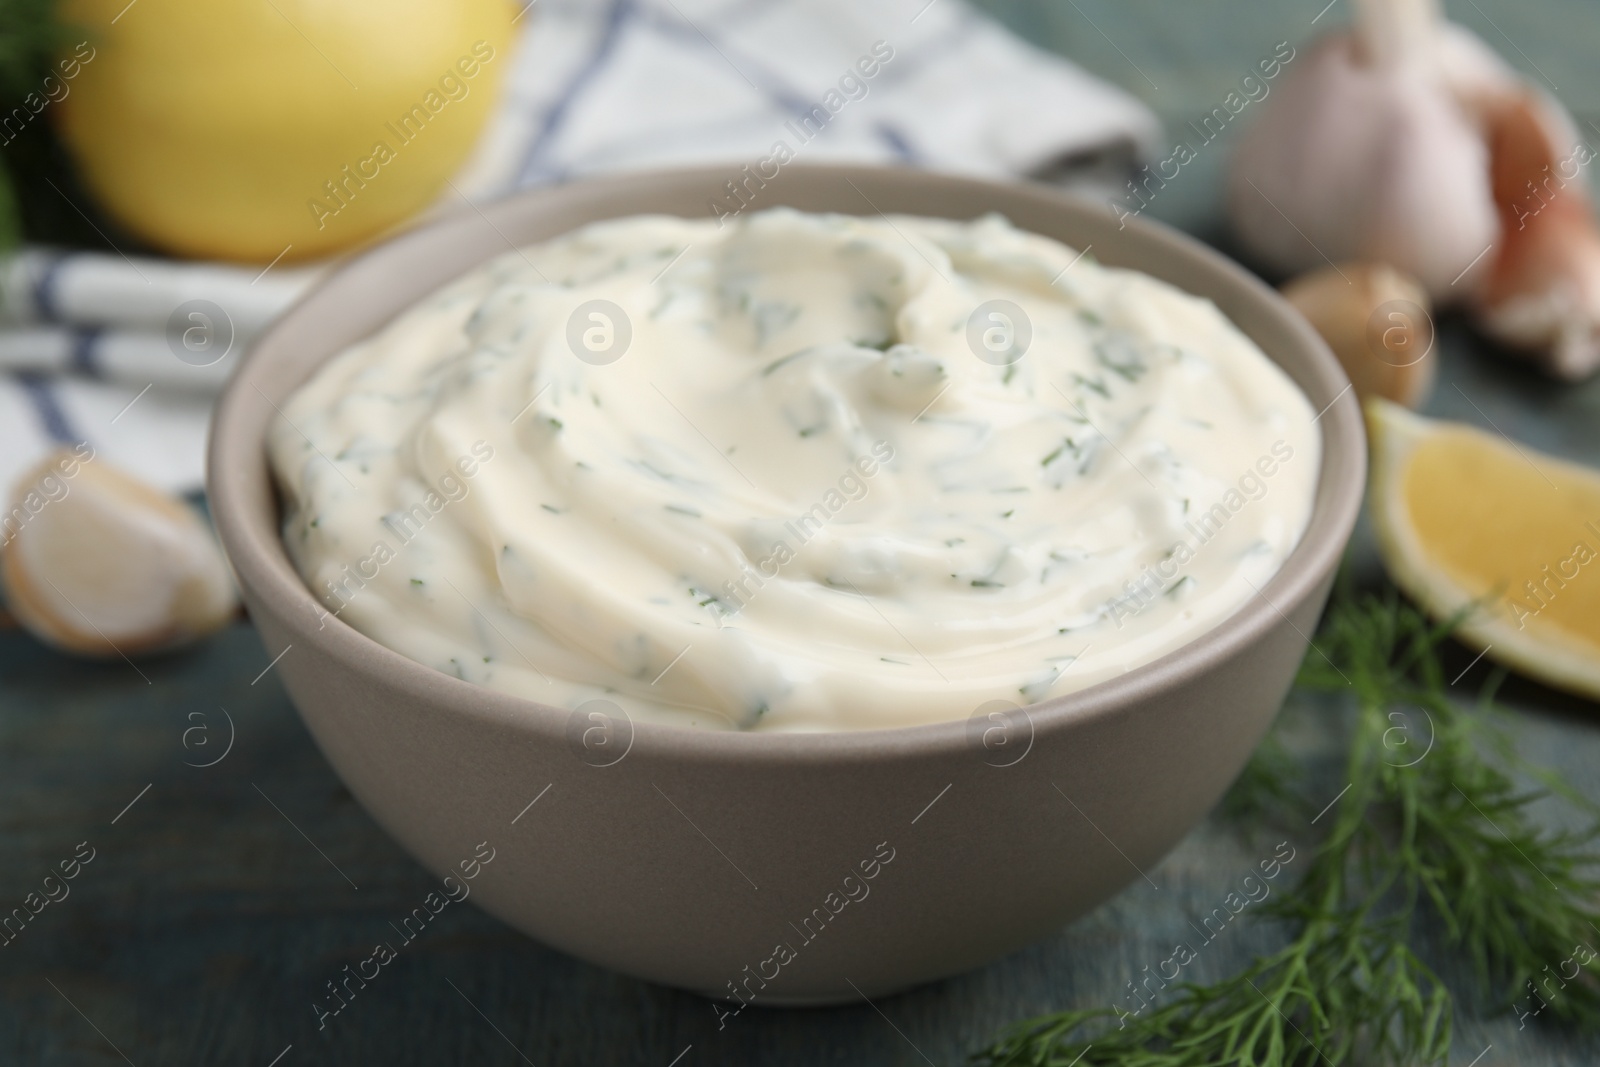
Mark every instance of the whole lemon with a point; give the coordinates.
(237, 129)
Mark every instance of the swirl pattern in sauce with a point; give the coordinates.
(798, 472)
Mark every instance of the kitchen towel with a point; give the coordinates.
(127, 352)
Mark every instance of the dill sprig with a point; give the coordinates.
(1428, 831)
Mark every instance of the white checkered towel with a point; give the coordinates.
(88, 340)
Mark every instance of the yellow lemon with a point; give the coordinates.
(1467, 517)
(240, 129)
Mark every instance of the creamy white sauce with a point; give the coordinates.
(798, 499)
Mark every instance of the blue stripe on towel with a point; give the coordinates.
(555, 115)
(44, 290)
(897, 143)
(83, 359)
(765, 81)
(47, 406)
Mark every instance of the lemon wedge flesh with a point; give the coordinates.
(1466, 518)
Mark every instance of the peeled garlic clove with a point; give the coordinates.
(1377, 321)
(1543, 291)
(99, 563)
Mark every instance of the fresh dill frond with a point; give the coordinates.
(1285, 1009)
(1517, 899)
(1428, 830)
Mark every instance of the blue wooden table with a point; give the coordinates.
(231, 875)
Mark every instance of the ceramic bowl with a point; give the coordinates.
(788, 868)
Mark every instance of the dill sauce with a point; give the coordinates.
(798, 474)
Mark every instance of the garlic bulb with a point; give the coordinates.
(98, 563)
(1365, 154)
(1405, 140)
(1377, 321)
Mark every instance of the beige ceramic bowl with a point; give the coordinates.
(796, 868)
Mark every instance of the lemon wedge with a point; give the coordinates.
(1466, 518)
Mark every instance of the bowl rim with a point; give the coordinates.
(265, 572)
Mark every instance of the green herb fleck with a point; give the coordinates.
(782, 360)
(1118, 354)
(1093, 384)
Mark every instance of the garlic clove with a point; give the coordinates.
(1542, 295)
(99, 563)
(1377, 321)
(1353, 160)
